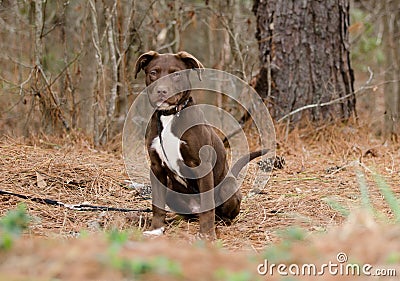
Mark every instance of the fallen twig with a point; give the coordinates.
(76, 207)
(338, 100)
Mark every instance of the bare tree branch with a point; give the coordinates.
(55, 98)
(338, 100)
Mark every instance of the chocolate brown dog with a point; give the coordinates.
(189, 169)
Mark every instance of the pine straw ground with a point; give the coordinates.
(320, 167)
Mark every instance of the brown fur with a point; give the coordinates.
(156, 66)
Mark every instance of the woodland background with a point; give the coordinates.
(66, 66)
(66, 84)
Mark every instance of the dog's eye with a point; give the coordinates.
(176, 75)
(153, 73)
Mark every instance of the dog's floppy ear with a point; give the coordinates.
(191, 62)
(144, 60)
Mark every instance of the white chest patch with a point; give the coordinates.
(168, 149)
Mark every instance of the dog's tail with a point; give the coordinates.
(242, 161)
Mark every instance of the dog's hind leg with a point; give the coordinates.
(231, 197)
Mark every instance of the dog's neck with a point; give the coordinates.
(173, 111)
(176, 109)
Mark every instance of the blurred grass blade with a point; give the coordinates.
(362, 183)
(335, 205)
(389, 196)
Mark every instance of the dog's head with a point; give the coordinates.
(167, 93)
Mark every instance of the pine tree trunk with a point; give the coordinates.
(304, 55)
(392, 75)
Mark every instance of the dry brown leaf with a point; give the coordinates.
(41, 183)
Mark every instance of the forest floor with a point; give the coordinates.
(309, 212)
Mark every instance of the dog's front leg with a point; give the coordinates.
(158, 180)
(207, 203)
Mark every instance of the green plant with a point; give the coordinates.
(224, 274)
(393, 258)
(335, 205)
(386, 191)
(389, 196)
(281, 251)
(365, 200)
(117, 238)
(137, 267)
(293, 234)
(12, 225)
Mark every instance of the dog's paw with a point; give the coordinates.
(210, 237)
(154, 232)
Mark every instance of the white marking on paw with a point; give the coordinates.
(154, 232)
(194, 206)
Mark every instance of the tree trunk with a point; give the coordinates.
(304, 56)
(99, 78)
(110, 104)
(392, 75)
(125, 27)
(38, 32)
